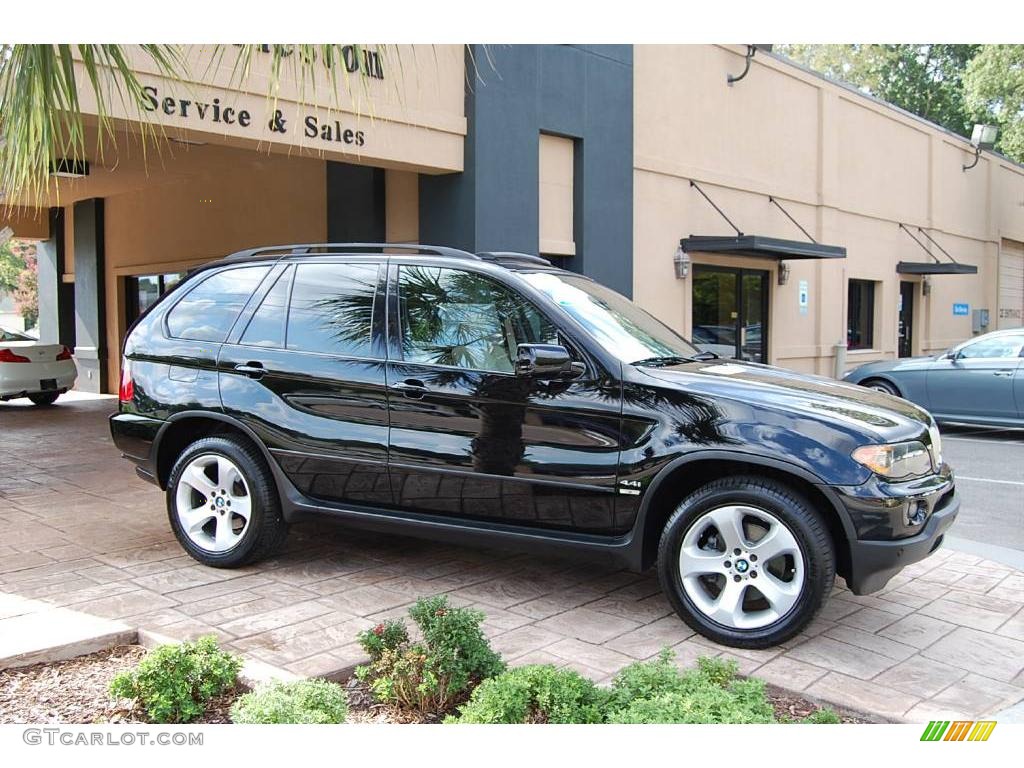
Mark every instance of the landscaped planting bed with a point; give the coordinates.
(440, 670)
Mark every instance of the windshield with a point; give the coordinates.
(619, 325)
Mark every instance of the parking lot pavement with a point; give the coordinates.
(78, 529)
(989, 466)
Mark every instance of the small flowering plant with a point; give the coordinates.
(386, 636)
(434, 674)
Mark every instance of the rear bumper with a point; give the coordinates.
(22, 379)
(886, 542)
(134, 436)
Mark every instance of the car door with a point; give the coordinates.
(469, 437)
(976, 380)
(304, 369)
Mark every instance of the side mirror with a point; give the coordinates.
(546, 361)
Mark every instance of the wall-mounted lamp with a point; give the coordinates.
(682, 263)
(751, 50)
(926, 286)
(982, 137)
(783, 273)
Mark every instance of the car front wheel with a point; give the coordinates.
(222, 503)
(746, 561)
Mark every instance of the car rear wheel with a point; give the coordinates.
(746, 561)
(43, 399)
(881, 386)
(222, 503)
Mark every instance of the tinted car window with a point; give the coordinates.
(210, 309)
(332, 309)
(266, 329)
(465, 320)
(995, 347)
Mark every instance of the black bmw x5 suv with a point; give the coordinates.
(493, 398)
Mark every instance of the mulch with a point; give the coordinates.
(76, 691)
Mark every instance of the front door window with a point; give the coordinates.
(730, 312)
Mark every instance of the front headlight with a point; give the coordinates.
(895, 461)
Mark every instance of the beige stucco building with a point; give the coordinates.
(584, 154)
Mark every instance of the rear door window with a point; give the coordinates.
(332, 309)
(210, 309)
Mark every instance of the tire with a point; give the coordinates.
(800, 578)
(207, 477)
(43, 399)
(881, 386)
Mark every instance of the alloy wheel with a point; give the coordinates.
(741, 567)
(213, 503)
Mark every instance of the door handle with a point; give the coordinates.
(251, 369)
(413, 388)
(1002, 373)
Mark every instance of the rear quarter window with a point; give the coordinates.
(208, 310)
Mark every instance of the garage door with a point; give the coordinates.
(1011, 285)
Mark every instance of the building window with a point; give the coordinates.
(142, 291)
(860, 315)
(556, 191)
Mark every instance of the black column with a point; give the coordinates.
(90, 296)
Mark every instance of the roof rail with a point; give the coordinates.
(322, 248)
(512, 256)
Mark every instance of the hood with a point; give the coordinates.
(890, 418)
(903, 364)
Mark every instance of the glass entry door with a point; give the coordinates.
(730, 312)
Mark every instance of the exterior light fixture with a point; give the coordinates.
(67, 168)
(783, 273)
(926, 286)
(982, 137)
(751, 50)
(682, 263)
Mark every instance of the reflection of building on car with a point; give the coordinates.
(980, 381)
(29, 368)
(496, 399)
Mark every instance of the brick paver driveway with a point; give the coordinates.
(77, 528)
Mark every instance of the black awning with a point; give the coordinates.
(935, 268)
(762, 247)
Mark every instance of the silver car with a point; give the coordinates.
(980, 381)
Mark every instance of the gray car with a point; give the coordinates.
(980, 381)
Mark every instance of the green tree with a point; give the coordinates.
(925, 79)
(11, 265)
(994, 93)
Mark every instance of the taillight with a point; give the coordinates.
(7, 356)
(65, 354)
(126, 392)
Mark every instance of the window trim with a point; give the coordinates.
(394, 327)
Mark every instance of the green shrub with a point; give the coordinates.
(656, 692)
(824, 716)
(174, 682)
(430, 675)
(301, 701)
(534, 694)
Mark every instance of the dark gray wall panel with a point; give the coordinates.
(515, 94)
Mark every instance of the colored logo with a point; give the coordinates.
(958, 730)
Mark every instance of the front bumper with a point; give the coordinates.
(896, 524)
